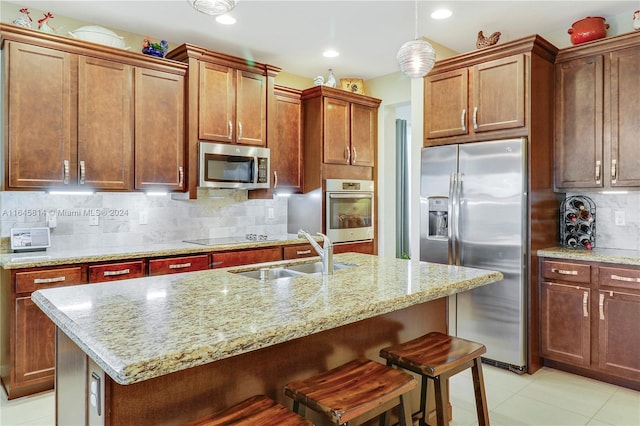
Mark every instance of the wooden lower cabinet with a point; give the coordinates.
(246, 257)
(175, 265)
(116, 271)
(298, 252)
(365, 247)
(589, 319)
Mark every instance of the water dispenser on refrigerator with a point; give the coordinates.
(438, 217)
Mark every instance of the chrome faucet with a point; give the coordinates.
(325, 252)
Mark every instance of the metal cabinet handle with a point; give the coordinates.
(627, 279)
(564, 271)
(475, 118)
(180, 175)
(65, 165)
(601, 306)
(348, 154)
(239, 130)
(120, 272)
(82, 172)
(275, 179)
(585, 304)
(614, 171)
(303, 252)
(354, 155)
(180, 265)
(598, 167)
(49, 280)
(463, 121)
(230, 136)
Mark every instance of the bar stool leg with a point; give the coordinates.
(481, 397)
(404, 412)
(440, 385)
(423, 401)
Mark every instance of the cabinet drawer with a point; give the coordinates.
(563, 271)
(27, 282)
(178, 264)
(246, 257)
(365, 247)
(619, 277)
(116, 271)
(297, 252)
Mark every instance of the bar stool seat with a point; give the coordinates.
(257, 410)
(438, 356)
(352, 390)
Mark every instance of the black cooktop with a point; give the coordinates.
(233, 240)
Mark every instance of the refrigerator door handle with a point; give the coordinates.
(451, 221)
(457, 207)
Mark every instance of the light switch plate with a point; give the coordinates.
(94, 220)
(619, 217)
(144, 218)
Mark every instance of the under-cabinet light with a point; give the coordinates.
(613, 192)
(54, 192)
(156, 193)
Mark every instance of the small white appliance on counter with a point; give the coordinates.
(30, 239)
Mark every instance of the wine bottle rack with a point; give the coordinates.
(578, 222)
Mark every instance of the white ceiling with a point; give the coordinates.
(367, 33)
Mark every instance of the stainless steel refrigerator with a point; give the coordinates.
(474, 213)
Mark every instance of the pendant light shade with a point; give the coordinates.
(416, 57)
(213, 7)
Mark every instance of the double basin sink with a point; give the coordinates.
(289, 271)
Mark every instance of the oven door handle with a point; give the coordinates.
(349, 195)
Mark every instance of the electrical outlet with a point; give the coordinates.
(94, 220)
(270, 213)
(51, 219)
(144, 219)
(619, 217)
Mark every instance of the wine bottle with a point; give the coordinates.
(586, 216)
(570, 228)
(570, 241)
(570, 217)
(584, 228)
(585, 242)
(577, 204)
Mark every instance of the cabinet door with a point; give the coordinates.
(41, 112)
(498, 94)
(217, 103)
(445, 99)
(564, 323)
(159, 130)
(625, 117)
(286, 148)
(579, 106)
(34, 356)
(336, 144)
(105, 124)
(363, 134)
(619, 334)
(246, 257)
(251, 109)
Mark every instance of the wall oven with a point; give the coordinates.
(349, 210)
(233, 166)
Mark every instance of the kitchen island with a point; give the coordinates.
(169, 349)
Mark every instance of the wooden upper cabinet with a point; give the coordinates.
(41, 113)
(486, 97)
(364, 121)
(105, 124)
(446, 106)
(597, 109)
(159, 130)
(337, 146)
(286, 144)
(579, 133)
(232, 105)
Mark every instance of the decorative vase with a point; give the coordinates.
(588, 29)
(331, 80)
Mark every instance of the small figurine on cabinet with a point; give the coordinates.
(483, 41)
(155, 49)
(43, 26)
(636, 20)
(23, 20)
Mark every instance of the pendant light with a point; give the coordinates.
(213, 7)
(416, 57)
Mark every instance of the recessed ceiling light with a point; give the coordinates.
(441, 14)
(225, 19)
(330, 53)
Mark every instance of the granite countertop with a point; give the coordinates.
(623, 257)
(148, 327)
(53, 257)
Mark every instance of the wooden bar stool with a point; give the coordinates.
(438, 356)
(257, 410)
(352, 390)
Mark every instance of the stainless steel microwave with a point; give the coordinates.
(233, 166)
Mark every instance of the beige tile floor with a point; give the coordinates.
(547, 398)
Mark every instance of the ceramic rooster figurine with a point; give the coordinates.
(483, 41)
(43, 26)
(24, 20)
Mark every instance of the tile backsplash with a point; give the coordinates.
(120, 217)
(608, 233)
